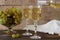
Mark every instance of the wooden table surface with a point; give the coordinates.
(45, 36)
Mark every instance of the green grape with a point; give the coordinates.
(1, 21)
(14, 10)
(2, 17)
(1, 12)
(4, 21)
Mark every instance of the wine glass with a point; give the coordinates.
(36, 16)
(13, 16)
(27, 15)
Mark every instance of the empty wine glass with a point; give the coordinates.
(27, 15)
(36, 16)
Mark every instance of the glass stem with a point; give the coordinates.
(35, 25)
(10, 30)
(26, 25)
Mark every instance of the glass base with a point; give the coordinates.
(27, 34)
(35, 37)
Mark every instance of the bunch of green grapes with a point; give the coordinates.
(13, 16)
(17, 15)
(3, 18)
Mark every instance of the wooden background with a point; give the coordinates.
(48, 13)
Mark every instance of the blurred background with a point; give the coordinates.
(48, 12)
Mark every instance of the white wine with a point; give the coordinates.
(36, 14)
(55, 5)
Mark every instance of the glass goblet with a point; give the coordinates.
(36, 16)
(27, 16)
(13, 18)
